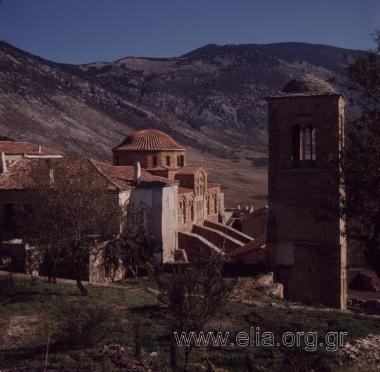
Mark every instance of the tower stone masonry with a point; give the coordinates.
(306, 242)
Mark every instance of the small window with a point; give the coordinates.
(168, 161)
(304, 145)
(296, 134)
(154, 161)
(178, 161)
(181, 160)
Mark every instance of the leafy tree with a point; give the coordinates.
(361, 158)
(71, 209)
(193, 296)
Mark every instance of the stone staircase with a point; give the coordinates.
(218, 238)
(211, 237)
(196, 246)
(233, 233)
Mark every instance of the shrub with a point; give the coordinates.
(81, 324)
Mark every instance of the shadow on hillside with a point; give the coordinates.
(16, 296)
(12, 356)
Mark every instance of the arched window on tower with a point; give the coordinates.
(309, 144)
(313, 144)
(296, 134)
(304, 145)
(181, 160)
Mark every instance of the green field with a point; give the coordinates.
(31, 310)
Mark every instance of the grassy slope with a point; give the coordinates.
(30, 304)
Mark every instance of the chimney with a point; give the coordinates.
(3, 163)
(39, 149)
(137, 174)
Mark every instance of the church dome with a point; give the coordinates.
(308, 84)
(148, 140)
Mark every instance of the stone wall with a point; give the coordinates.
(159, 207)
(146, 158)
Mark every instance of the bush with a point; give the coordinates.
(81, 324)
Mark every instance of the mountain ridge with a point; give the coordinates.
(211, 100)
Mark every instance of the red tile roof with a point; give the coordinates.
(20, 148)
(189, 169)
(148, 140)
(22, 174)
(126, 174)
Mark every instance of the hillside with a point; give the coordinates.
(211, 99)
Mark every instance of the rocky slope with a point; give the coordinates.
(216, 90)
(211, 100)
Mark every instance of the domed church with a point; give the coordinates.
(162, 156)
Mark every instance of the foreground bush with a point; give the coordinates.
(82, 324)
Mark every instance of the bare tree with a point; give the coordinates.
(193, 296)
(71, 208)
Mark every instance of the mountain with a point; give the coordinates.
(211, 99)
(218, 91)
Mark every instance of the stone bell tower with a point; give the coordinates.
(306, 244)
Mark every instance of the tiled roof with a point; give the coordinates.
(148, 140)
(20, 148)
(308, 85)
(125, 174)
(22, 174)
(189, 169)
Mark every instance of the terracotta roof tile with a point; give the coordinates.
(21, 174)
(189, 169)
(126, 174)
(148, 140)
(20, 148)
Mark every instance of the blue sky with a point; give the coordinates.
(78, 31)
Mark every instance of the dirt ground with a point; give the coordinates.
(18, 331)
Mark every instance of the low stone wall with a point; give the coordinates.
(196, 247)
(219, 239)
(18, 253)
(233, 233)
